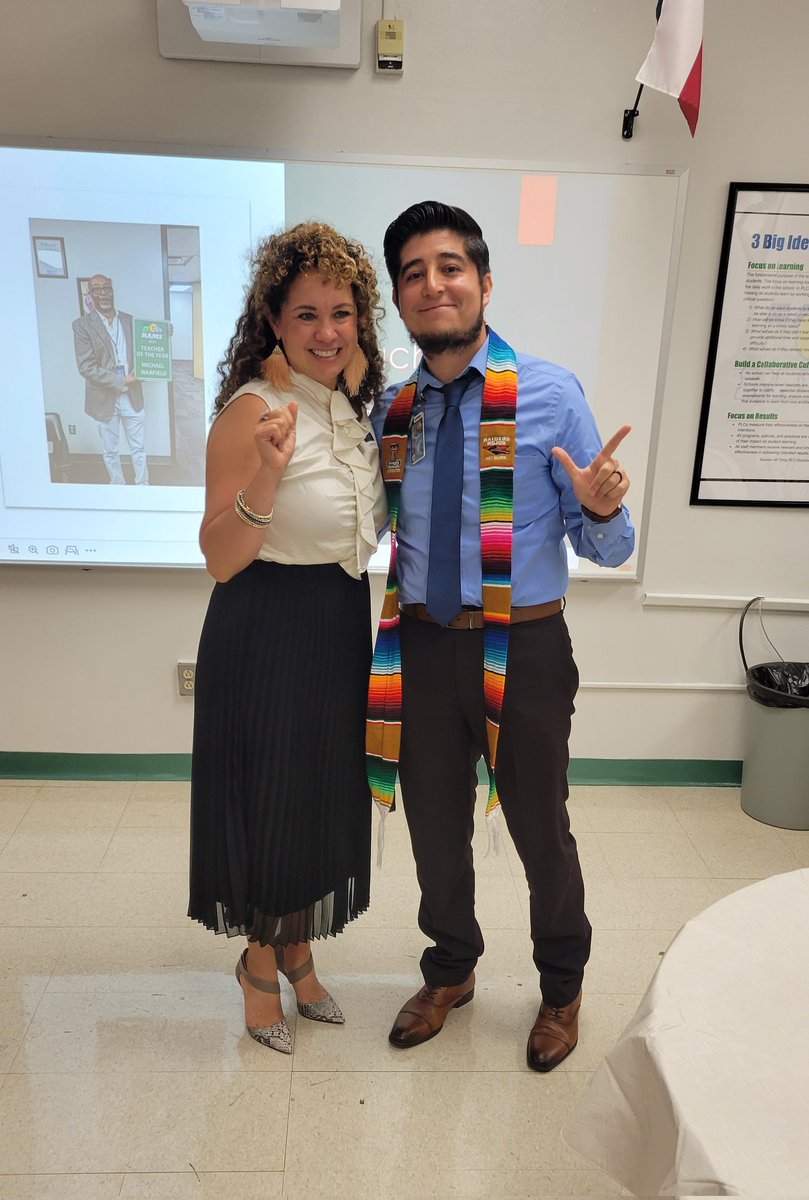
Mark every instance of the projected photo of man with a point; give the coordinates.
(113, 397)
(122, 356)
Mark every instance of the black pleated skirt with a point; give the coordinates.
(280, 805)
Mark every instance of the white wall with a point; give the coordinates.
(88, 657)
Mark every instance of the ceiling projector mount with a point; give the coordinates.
(315, 33)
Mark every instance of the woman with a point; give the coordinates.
(280, 807)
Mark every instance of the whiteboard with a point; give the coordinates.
(595, 295)
(583, 262)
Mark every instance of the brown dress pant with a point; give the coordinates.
(444, 735)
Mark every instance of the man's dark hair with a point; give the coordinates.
(426, 217)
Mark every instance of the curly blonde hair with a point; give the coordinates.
(276, 264)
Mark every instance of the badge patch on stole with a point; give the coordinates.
(497, 442)
(394, 448)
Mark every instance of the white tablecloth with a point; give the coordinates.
(707, 1091)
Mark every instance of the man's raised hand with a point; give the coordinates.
(602, 485)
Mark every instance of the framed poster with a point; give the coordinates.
(50, 257)
(753, 441)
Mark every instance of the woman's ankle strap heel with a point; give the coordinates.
(326, 1010)
(275, 1037)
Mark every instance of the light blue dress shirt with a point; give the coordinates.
(551, 411)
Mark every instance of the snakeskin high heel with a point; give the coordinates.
(276, 1037)
(327, 1009)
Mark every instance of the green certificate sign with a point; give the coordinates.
(152, 349)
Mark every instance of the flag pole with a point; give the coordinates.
(628, 127)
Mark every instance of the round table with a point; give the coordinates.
(707, 1091)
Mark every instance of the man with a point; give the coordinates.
(476, 632)
(112, 395)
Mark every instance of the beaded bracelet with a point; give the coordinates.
(254, 519)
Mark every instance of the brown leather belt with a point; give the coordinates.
(472, 618)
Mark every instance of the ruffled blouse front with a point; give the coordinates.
(331, 501)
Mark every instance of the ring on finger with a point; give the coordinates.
(620, 474)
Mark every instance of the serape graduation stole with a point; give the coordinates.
(498, 438)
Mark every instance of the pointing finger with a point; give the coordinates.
(613, 444)
(281, 414)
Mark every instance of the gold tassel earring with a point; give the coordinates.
(355, 371)
(276, 370)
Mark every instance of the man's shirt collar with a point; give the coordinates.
(427, 379)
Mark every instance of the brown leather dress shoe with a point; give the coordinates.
(424, 1014)
(554, 1035)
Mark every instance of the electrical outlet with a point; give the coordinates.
(71, 428)
(186, 678)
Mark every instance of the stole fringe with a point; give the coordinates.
(494, 828)
(384, 813)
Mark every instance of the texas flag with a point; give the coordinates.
(674, 63)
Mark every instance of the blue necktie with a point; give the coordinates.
(444, 567)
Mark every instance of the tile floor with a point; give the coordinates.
(125, 1070)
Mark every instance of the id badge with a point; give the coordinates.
(417, 450)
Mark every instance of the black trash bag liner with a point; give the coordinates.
(775, 684)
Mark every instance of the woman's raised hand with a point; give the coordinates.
(274, 436)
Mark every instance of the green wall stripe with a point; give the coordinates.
(33, 765)
(628, 772)
(648, 772)
(657, 772)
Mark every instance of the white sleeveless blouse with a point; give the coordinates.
(331, 503)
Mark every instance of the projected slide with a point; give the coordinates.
(124, 276)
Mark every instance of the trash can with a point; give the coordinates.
(775, 773)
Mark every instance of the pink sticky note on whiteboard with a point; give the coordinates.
(538, 209)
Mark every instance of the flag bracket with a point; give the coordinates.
(628, 126)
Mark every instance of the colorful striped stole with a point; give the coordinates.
(497, 450)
